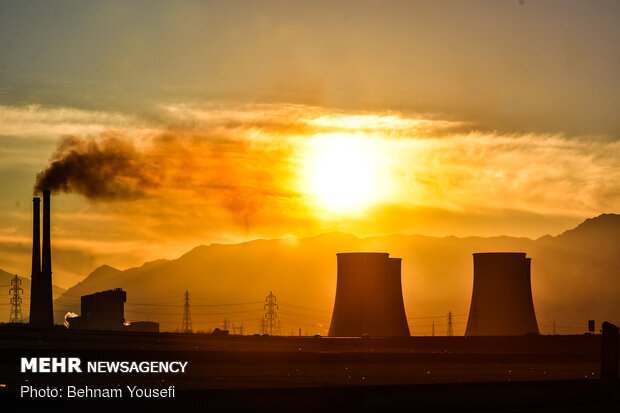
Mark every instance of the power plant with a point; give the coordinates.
(369, 298)
(368, 302)
(501, 303)
(41, 305)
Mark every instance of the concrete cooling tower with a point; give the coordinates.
(501, 303)
(369, 298)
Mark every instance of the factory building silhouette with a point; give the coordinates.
(105, 310)
(369, 299)
(41, 305)
(501, 303)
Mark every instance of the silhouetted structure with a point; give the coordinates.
(41, 305)
(609, 352)
(450, 329)
(104, 310)
(269, 322)
(186, 325)
(369, 297)
(35, 276)
(501, 303)
(16, 301)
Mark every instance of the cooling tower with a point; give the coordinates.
(501, 303)
(41, 306)
(369, 297)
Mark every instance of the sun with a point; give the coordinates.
(342, 172)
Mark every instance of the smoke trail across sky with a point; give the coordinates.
(108, 168)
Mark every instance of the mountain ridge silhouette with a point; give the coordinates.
(574, 277)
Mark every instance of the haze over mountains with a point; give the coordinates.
(574, 278)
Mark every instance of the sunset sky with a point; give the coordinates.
(173, 125)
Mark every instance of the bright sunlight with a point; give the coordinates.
(343, 172)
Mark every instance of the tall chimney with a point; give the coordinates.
(46, 266)
(35, 280)
(47, 310)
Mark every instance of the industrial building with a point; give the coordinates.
(41, 304)
(105, 310)
(501, 303)
(369, 298)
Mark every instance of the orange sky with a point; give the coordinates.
(134, 189)
(224, 122)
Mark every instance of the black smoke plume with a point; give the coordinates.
(105, 169)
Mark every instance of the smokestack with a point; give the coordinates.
(368, 297)
(35, 277)
(46, 266)
(501, 303)
(44, 312)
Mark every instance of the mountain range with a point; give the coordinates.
(575, 277)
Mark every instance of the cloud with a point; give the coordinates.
(40, 121)
(249, 158)
(183, 174)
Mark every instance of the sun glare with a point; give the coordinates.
(342, 172)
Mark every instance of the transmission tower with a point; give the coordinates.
(450, 332)
(270, 315)
(186, 326)
(16, 301)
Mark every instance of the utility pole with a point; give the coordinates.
(225, 324)
(16, 301)
(186, 326)
(270, 315)
(450, 332)
(241, 329)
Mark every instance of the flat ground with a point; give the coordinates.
(316, 372)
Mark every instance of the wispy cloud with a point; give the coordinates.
(198, 173)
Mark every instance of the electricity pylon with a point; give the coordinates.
(270, 314)
(16, 301)
(450, 332)
(186, 326)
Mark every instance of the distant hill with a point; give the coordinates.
(575, 277)
(5, 283)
